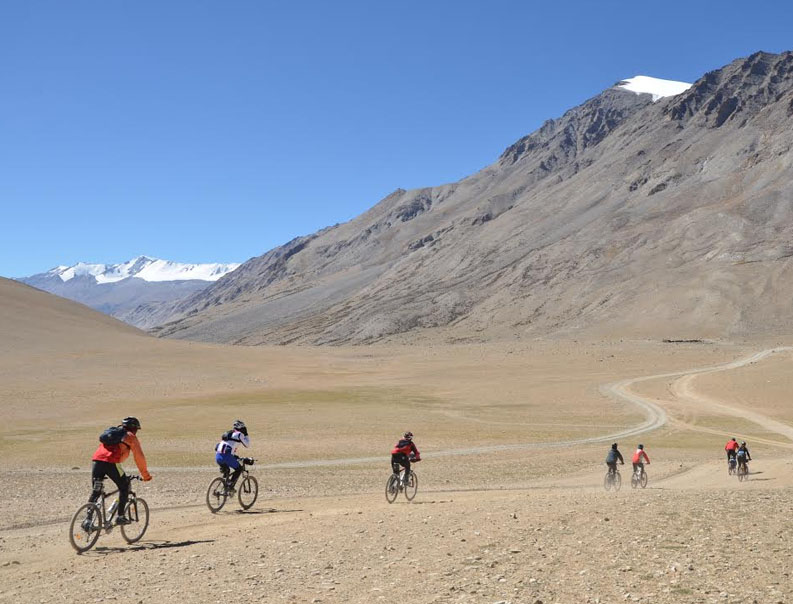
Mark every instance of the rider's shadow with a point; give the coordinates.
(148, 545)
(267, 511)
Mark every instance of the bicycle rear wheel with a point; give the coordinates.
(743, 473)
(138, 516)
(617, 481)
(607, 481)
(412, 486)
(643, 480)
(248, 492)
(85, 527)
(216, 495)
(392, 488)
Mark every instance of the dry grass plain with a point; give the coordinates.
(503, 513)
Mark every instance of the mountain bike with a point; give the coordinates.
(732, 465)
(396, 483)
(612, 480)
(743, 471)
(94, 517)
(639, 477)
(220, 490)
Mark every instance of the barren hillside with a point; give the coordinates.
(33, 319)
(625, 215)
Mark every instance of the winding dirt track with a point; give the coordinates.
(655, 416)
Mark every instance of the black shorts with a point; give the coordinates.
(399, 459)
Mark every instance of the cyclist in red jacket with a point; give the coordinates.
(638, 456)
(732, 448)
(403, 453)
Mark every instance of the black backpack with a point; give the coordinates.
(113, 435)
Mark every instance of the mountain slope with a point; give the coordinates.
(121, 290)
(625, 215)
(33, 320)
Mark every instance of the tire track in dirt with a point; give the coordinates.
(655, 417)
(683, 390)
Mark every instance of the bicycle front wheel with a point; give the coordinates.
(216, 495)
(392, 488)
(412, 487)
(85, 527)
(138, 516)
(248, 492)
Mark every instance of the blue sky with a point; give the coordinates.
(204, 131)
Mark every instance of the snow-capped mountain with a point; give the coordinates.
(143, 267)
(121, 289)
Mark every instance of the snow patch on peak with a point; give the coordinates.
(145, 268)
(163, 270)
(658, 88)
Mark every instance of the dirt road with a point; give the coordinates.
(559, 538)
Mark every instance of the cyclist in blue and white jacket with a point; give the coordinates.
(226, 449)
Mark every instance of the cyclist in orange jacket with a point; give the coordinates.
(403, 453)
(107, 461)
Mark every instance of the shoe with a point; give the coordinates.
(123, 520)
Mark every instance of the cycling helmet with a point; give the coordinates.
(614, 446)
(641, 446)
(743, 443)
(131, 422)
(409, 435)
(239, 424)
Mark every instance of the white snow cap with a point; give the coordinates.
(148, 269)
(654, 86)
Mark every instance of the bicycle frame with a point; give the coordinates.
(228, 471)
(107, 514)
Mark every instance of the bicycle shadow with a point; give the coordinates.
(267, 511)
(147, 545)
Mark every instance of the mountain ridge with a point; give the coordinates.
(120, 290)
(624, 214)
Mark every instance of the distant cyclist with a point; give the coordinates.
(638, 455)
(107, 461)
(226, 449)
(731, 448)
(612, 457)
(403, 453)
(742, 455)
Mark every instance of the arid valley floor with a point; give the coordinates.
(510, 507)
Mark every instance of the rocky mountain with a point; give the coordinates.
(122, 289)
(634, 213)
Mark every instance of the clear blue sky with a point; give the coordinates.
(203, 131)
